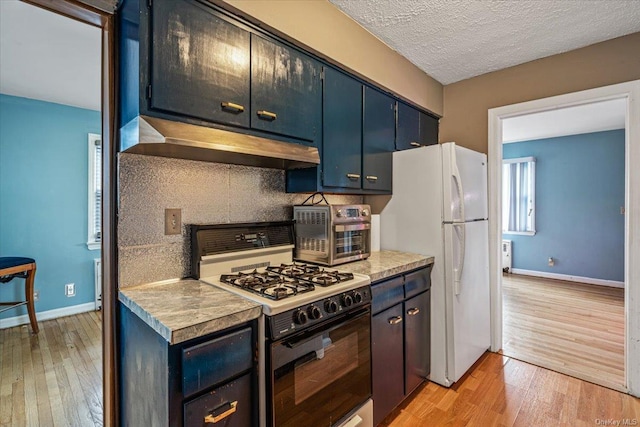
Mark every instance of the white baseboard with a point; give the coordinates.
(47, 315)
(570, 278)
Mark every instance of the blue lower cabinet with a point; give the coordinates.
(202, 381)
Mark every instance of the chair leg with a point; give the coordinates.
(29, 295)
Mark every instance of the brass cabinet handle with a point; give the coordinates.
(415, 144)
(395, 320)
(372, 178)
(263, 114)
(353, 176)
(413, 311)
(231, 106)
(213, 418)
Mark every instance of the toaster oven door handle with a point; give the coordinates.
(352, 227)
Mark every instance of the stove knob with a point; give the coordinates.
(330, 306)
(314, 312)
(300, 317)
(357, 297)
(347, 300)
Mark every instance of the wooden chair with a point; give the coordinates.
(24, 268)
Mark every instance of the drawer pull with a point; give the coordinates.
(232, 107)
(415, 144)
(395, 320)
(221, 413)
(413, 311)
(267, 115)
(353, 176)
(372, 178)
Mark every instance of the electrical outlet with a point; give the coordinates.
(70, 290)
(172, 221)
(551, 262)
(36, 295)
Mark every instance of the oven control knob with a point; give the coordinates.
(300, 317)
(314, 312)
(357, 297)
(365, 212)
(330, 306)
(339, 213)
(347, 300)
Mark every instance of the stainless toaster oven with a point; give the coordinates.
(332, 234)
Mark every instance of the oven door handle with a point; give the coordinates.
(352, 227)
(312, 333)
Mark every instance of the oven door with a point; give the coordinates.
(320, 375)
(351, 241)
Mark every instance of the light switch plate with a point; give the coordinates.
(172, 221)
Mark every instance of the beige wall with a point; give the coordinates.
(324, 29)
(466, 103)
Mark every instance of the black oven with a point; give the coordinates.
(319, 375)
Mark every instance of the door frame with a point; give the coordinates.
(105, 20)
(631, 92)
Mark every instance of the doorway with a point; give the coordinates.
(630, 92)
(102, 20)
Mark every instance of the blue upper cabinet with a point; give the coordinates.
(414, 128)
(190, 61)
(342, 131)
(286, 96)
(358, 127)
(200, 63)
(378, 136)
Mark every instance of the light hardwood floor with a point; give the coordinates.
(501, 391)
(573, 328)
(53, 378)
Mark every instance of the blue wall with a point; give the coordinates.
(579, 192)
(43, 198)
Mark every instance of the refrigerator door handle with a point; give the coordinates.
(457, 270)
(455, 175)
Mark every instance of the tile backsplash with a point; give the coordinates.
(206, 193)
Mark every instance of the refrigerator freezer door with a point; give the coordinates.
(464, 179)
(467, 302)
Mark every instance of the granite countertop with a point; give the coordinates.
(383, 264)
(180, 310)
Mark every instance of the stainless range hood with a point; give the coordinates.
(160, 137)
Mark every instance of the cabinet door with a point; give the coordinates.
(408, 127)
(199, 63)
(428, 129)
(378, 135)
(417, 340)
(286, 95)
(387, 361)
(342, 130)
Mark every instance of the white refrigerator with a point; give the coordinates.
(439, 208)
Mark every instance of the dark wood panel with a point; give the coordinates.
(387, 361)
(342, 129)
(285, 83)
(428, 129)
(417, 344)
(199, 63)
(378, 137)
(408, 130)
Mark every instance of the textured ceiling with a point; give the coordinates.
(453, 40)
(49, 57)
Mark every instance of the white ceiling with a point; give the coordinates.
(594, 117)
(49, 57)
(453, 40)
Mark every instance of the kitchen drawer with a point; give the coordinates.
(418, 281)
(230, 404)
(212, 362)
(386, 294)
